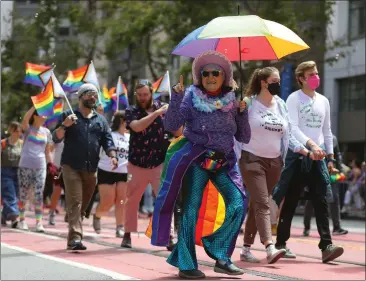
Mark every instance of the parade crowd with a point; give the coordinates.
(262, 155)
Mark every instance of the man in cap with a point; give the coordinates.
(83, 132)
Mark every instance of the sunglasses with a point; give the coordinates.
(215, 73)
(144, 82)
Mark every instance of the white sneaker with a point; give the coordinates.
(22, 225)
(246, 255)
(39, 227)
(273, 254)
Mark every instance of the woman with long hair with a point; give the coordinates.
(112, 183)
(263, 157)
(36, 154)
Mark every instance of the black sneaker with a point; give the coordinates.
(76, 245)
(3, 221)
(126, 241)
(14, 224)
(191, 274)
(171, 244)
(289, 254)
(228, 268)
(340, 231)
(331, 253)
(306, 232)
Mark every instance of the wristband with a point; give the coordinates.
(308, 155)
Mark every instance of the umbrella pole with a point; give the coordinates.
(241, 76)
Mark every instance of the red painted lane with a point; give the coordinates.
(354, 251)
(137, 265)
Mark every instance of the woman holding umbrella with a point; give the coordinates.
(209, 111)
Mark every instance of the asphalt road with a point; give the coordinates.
(18, 265)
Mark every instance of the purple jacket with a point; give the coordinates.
(214, 130)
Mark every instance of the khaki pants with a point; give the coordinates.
(79, 188)
(136, 187)
(260, 176)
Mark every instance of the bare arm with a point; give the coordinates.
(48, 153)
(26, 118)
(140, 125)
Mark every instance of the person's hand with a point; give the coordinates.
(312, 156)
(319, 154)
(162, 110)
(242, 105)
(114, 163)
(331, 168)
(70, 120)
(179, 88)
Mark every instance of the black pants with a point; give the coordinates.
(334, 210)
(318, 197)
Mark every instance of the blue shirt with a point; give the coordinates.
(83, 140)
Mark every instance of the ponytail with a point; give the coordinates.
(254, 85)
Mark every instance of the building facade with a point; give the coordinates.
(344, 80)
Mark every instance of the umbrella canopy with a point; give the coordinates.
(259, 39)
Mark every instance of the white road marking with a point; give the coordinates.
(112, 274)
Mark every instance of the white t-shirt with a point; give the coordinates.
(121, 142)
(310, 119)
(267, 129)
(57, 152)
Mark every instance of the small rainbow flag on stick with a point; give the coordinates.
(161, 86)
(121, 95)
(36, 74)
(44, 101)
(58, 92)
(57, 112)
(107, 98)
(75, 78)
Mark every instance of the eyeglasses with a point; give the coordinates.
(215, 73)
(144, 82)
(90, 94)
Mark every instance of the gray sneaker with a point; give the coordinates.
(331, 253)
(119, 231)
(51, 218)
(246, 255)
(96, 224)
(288, 254)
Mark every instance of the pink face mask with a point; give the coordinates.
(313, 82)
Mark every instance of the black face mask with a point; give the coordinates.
(274, 88)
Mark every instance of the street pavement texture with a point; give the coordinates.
(27, 255)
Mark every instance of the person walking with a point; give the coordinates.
(84, 133)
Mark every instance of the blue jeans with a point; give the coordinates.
(10, 192)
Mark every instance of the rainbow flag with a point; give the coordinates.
(57, 112)
(211, 214)
(212, 210)
(44, 101)
(107, 99)
(162, 85)
(36, 74)
(121, 91)
(57, 89)
(75, 78)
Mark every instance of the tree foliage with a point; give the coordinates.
(136, 34)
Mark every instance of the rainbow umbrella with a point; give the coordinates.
(242, 38)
